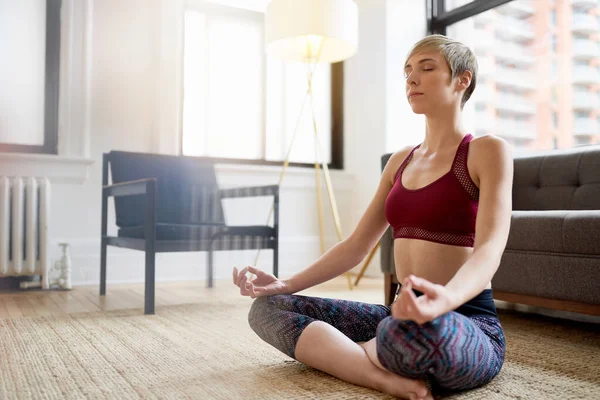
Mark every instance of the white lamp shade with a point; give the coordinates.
(294, 28)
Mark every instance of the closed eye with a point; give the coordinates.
(406, 74)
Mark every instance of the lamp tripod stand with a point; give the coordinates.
(318, 154)
(297, 31)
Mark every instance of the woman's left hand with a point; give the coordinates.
(435, 301)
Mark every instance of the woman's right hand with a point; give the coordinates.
(263, 285)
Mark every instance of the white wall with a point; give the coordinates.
(122, 93)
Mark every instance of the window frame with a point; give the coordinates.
(337, 126)
(439, 19)
(52, 86)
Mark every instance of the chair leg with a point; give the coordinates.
(276, 261)
(103, 226)
(209, 269)
(103, 267)
(150, 280)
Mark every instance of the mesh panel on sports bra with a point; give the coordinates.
(462, 174)
(439, 237)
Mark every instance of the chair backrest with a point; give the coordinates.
(186, 188)
(555, 180)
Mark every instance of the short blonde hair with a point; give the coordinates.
(459, 57)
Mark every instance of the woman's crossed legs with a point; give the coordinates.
(453, 351)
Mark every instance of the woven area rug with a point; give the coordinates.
(207, 351)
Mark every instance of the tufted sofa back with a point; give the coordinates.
(559, 180)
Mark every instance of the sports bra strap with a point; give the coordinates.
(405, 163)
(459, 167)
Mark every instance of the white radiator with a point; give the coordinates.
(24, 212)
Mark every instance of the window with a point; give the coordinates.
(29, 77)
(519, 69)
(241, 105)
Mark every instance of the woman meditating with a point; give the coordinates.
(448, 201)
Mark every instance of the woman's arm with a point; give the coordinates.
(494, 168)
(348, 253)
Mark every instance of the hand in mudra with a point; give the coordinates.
(436, 301)
(263, 285)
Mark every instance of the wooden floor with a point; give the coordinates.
(30, 303)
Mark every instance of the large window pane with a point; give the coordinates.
(287, 87)
(223, 100)
(22, 71)
(194, 93)
(253, 5)
(539, 78)
(239, 103)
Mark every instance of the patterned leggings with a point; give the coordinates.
(454, 351)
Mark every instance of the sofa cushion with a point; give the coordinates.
(574, 232)
(552, 276)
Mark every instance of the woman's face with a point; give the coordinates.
(429, 86)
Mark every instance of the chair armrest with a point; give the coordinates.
(147, 187)
(257, 191)
(129, 188)
(253, 191)
(249, 230)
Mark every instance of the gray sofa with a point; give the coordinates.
(552, 258)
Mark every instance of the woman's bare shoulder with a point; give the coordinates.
(396, 159)
(398, 156)
(481, 146)
(486, 148)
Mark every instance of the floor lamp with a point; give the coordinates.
(312, 31)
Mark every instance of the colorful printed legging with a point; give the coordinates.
(454, 351)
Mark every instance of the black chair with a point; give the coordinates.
(173, 204)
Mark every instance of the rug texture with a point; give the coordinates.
(207, 351)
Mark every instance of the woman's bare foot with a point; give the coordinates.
(405, 388)
(394, 384)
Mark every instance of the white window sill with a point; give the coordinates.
(230, 175)
(58, 169)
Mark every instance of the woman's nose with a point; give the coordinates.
(411, 79)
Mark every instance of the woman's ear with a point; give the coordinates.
(465, 80)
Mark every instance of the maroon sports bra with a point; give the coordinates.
(443, 211)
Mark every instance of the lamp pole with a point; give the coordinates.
(297, 31)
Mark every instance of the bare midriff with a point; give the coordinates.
(435, 262)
